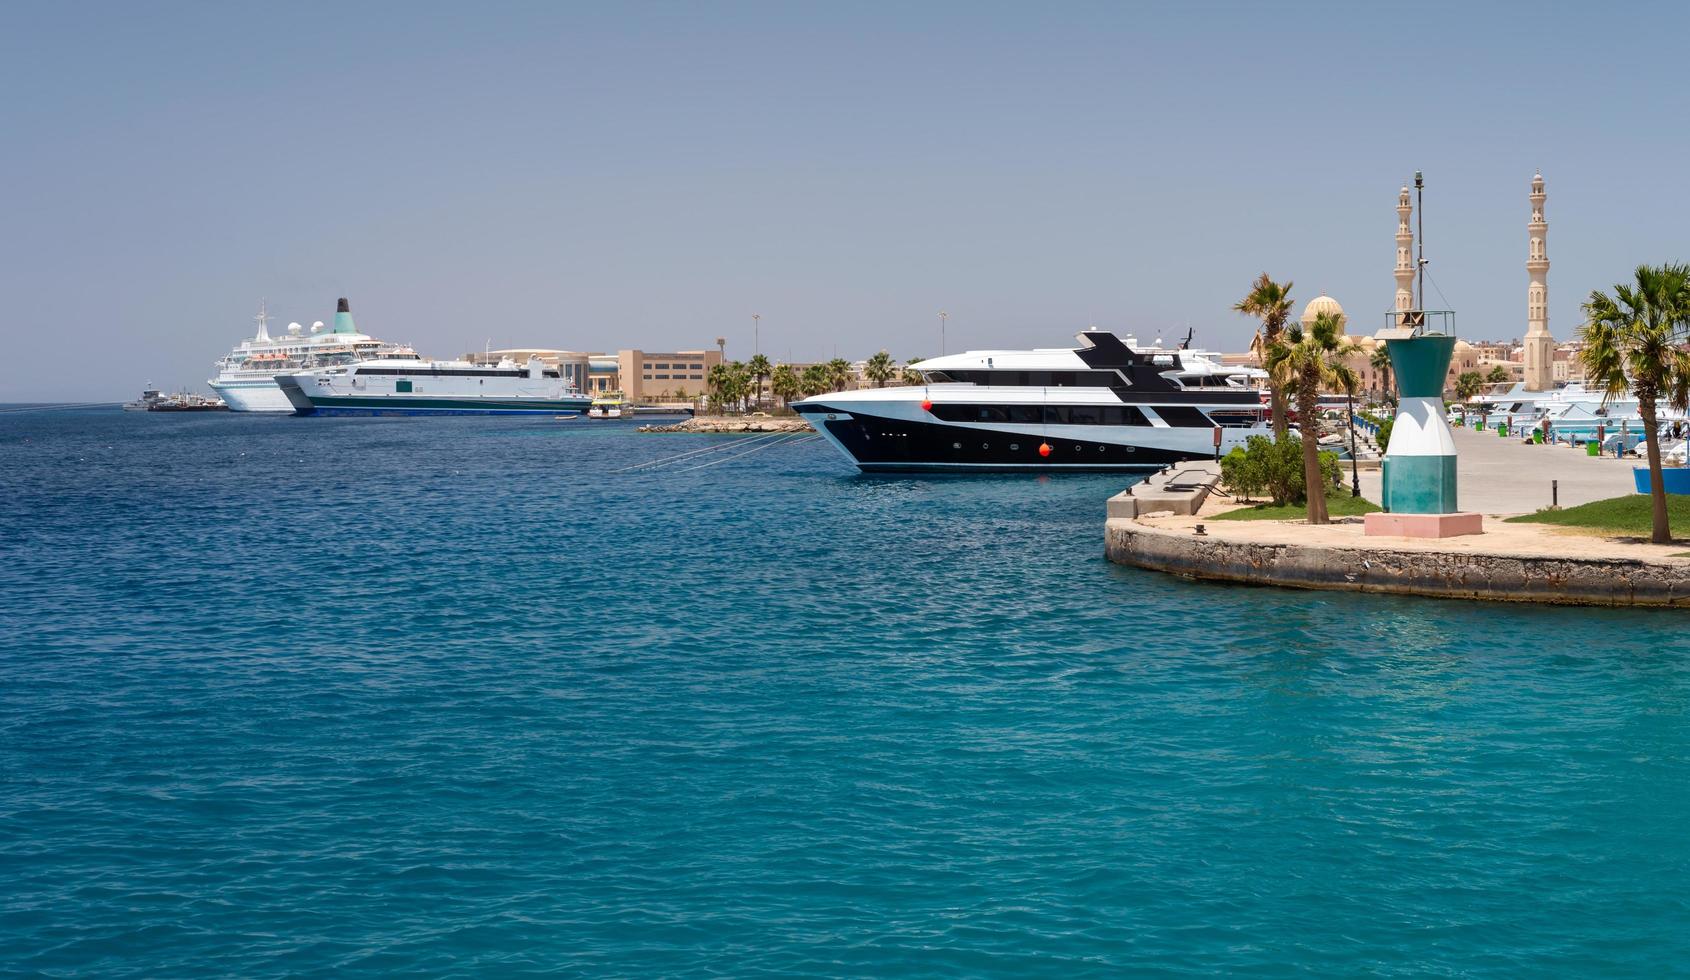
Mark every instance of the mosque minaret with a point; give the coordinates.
(1540, 346)
(1405, 255)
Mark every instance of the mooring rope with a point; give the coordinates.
(56, 407)
(681, 457)
(754, 449)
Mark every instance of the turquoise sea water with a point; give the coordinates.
(449, 696)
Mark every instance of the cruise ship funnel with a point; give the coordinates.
(343, 317)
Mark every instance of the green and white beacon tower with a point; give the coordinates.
(1419, 470)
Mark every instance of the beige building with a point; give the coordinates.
(648, 376)
(1495, 350)
(1566, 366)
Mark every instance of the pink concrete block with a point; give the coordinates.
(1423, 525)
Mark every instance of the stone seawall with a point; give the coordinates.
(1406, 571)
(720, 425)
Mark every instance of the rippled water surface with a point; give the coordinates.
(452, 696)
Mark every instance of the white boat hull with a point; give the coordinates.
(894, 429)
(254, 395)
(428, 388)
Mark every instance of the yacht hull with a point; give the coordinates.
(891, 438)
(1101, 406)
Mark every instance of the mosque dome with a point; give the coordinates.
(1324, 304)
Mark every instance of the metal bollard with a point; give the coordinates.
(1554, 493)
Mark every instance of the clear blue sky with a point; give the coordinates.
(649, 175)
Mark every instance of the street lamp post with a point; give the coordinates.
(943, 316)
(1355, 477)
(756, 333)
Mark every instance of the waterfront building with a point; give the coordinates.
(603, 374)
(1540, 346)
(646, 376)
(1567, 367)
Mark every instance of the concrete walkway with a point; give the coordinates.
(1507, 476)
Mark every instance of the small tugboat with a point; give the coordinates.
(150, 396)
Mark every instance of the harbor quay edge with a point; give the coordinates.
(1383, 569)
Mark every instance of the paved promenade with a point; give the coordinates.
(1506, 476)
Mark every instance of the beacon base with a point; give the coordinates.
(1381, 524)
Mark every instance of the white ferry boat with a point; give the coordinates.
(246, 376)
(1101, 406)
(387, 386)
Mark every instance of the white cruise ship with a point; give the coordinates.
(413, 387)
(246, 376)
(1101, 406)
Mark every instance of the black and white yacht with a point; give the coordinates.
(1102, 406)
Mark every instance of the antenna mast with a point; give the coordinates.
(1420, 233)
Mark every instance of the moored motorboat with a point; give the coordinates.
(611, 405)
(1101, 406)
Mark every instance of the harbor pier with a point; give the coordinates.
(1510, 562)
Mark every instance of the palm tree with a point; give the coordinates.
(815, 380)
(1633, 341)
(784, 383)
(1467, 384)
(1497, 375)
(759, 368)
(910, 375)
(717, 380)
(739, 383)
(729, 383)
(879, 369)
(1380, 361)
(839, 373)
(1270, 302)
(1303, 362)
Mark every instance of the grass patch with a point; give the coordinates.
(1630, 514)
(1337, 505)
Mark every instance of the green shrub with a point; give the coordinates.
(1274, 468)
(1242, 473)
(1331, 473)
